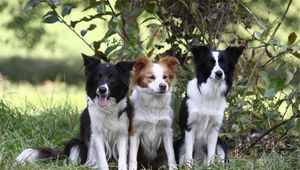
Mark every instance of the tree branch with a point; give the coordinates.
(269, 131)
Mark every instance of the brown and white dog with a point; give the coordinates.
(153, 116)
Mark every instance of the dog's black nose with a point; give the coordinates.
(102, 90)
(162, 86)
(219, 74)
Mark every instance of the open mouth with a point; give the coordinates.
(102, 100)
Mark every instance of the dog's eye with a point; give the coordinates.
(99, 75)
(152, 77)
(212, 61)
(165, 77)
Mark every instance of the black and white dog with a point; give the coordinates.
(103, 124)
(202, 110)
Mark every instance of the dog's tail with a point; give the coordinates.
(31, 155)
(75, 149)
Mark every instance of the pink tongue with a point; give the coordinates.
(102, 101)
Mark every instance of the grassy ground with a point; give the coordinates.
(46, 115)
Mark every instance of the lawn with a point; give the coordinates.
(48, 114)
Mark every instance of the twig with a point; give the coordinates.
(269, 131)
(64, 22)
(281, 20)
(252, 14)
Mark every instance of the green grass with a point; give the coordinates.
(46, 95)
(26, 124)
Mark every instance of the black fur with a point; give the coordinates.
(204, 63)
(117, 77)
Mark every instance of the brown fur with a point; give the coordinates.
(142, 70)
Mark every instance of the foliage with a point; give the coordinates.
(66, 71)
(265, 99)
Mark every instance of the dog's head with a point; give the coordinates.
(215, 65)
(106, 80)
(155, 77)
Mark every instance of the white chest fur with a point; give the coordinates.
(107, 123)
(152, 118)
(206, 107)
(107, 119)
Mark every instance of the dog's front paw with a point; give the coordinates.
(132, 165)
(122, 166)
(172, 166)
(104, 168)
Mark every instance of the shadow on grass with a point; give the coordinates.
(38, 70)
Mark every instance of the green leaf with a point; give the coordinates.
(150, 42)
(292, 38)
(91, 27)
(107, 35)
(151, 7)
(50, 17)
(74, 23)
(89, 18)
(149, 54)
(229, 135)
(66, 10)
(30, 4)
(55, 2)
(120, 4)
(291, 123)
(270, 93)
(113, 23)
(298, 124)
(83, 32)
(96, 44)
(92, 4)
(148, 19)
(296, 55)
(110, 49)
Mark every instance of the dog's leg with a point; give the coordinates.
(100, 152)
(134, 146)
(189, 147)
(168, 144)
(211, 145)
(122, 149)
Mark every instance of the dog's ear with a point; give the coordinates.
(125, 66)
(89, 62)
(234, 52)
(170, 62)
(140, 63)
(199, 53)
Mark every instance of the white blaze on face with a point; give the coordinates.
(102, 97)
(217, 67)
(158, 72)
